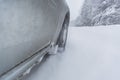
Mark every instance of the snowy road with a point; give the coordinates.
(92, 53)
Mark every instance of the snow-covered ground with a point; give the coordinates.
(92, 53)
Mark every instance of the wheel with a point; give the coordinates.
(60, 45)
(63, 37)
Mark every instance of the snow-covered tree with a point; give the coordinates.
(99, 12)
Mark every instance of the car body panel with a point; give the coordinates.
(26, 26)
(25, 67)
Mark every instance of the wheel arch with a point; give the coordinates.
(66, 17)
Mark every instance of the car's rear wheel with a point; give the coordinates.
(63, 36)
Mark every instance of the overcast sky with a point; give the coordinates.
(75, 6)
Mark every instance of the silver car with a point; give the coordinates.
(30, 29)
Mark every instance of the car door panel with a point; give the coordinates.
(26, 26)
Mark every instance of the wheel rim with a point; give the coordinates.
(64, 35)
(63, 38)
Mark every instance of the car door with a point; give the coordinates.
(26, 26)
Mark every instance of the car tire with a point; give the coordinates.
(63, 36)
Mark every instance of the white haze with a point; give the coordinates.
(75, 6)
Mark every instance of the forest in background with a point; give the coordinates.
(99, 12)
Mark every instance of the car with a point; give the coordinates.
(30, 29)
